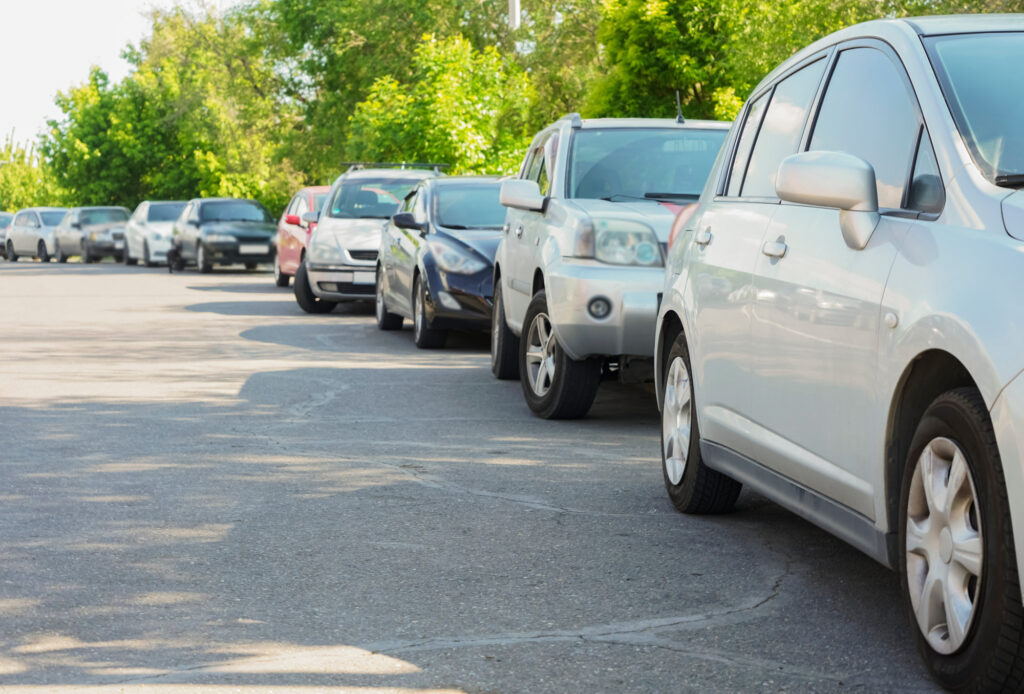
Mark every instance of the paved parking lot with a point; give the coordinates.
(204, 489)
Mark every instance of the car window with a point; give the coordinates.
(783, 123)
(301, 206)
(419, 206)
(104, 216)
(753, 121)
(54, 217)
(318, 201)
(165, 211)
(469, 206)
(21, 220)
(536, 164)
(233, 211)
(926, 190)
(140, 212)
(293, 205)
(868, 112)
(370, 198)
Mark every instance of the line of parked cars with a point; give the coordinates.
(822, 293)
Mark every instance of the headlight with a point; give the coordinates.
(451, 259)
(325, 249)
(94, 236)
(624, 242)
(219, 238)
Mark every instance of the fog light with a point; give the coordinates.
(448, 301)
(328, 286)
(599, 307)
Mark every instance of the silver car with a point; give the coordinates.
(32, 233)
(341, 261)
(841, 326)
(148, 234)
(92, 233)
(5, 221)
(577, 274)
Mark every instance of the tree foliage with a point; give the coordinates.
(25, 178)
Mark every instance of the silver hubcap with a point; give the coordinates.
(675, 420)
(540, 354)
(944, 545)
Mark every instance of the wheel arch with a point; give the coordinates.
(538, 281)
(669, 328)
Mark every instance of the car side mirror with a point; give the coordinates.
(311, 217)
(405, 220)
(76, 225)
(833, 179)
(292, 219)
(193, 223)
(522, 194)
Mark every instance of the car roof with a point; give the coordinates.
(456, 180)
(223, 200)
(99, 207)
(412, 174)
(591, 123)
(314, 189)
(965, 24)
(43, 209)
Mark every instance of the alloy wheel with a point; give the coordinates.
(944, 546)
(541, 346)
(675, 420)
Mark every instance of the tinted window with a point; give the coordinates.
(22, 219)
(104, 215)
(233, 211)
(52, 218)
(868, 112)
(780, 132)
(469, 206)
(926, 191)
(5, 219)
(750, 126)
(625, 164)
(165, 211)
(376, 198)
(318, 201)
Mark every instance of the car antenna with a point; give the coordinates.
(679, 109)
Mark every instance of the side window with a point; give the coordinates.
(301, 207)
(542, 178)
(193, 213)
(868, 112)
(293, 206)
(33, 220)
(781, 129)
(419, 206)
(536, 164)
(20, 219)
(746, 142)
(926, 191)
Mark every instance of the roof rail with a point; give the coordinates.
(575, 120)
(358, 165)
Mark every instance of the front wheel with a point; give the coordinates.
(385, 319)
(304, 296)
(11, 255)
(423, 335)
(42, 253)
(280, 279)
(127, 255)
(504, 343)
(958, 568)
(202, 262)
(692, 486)
(554, 385)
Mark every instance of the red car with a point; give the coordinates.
(293, 232)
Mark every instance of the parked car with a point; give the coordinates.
(223, 231)
(92, 233)
(293, 232)
(862, 363)
(436, 258)
(577, 276)
(340, 263)
(32, 233)
(5, 221)
(147, 236)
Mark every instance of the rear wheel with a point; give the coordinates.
(424, 336)
(692, 486)
(202, 262)
(504, 343)
(554, 385)
(958, 566)
(304, 296)
(385, 319)
(86, 255)
(280, 279)
(42, 253)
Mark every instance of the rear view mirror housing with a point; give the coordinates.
(292, 219)
(311, 217)
(833, 179)
(522, 194)
(405, 220)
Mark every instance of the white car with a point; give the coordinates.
(148, 234)
(340, 263)
(33, 233)
(578, 272)
(841, 327)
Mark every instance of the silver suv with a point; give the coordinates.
(841, 327)
(577, 274)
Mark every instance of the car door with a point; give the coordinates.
(17, 231)
(816, 315)
(726, 244)
(406, 250)
(188, 231)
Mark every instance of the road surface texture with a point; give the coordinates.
(206, 490)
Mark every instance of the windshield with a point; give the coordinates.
(164, 211)
(104, 215)
(52, 218)
(233, 211)
(5, 219)
(318, 201)
(470, 206)
(622, 164)
(376, 198)
(984, 96)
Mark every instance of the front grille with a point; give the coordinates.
(347, 288)
(363, 255)
(118, 235)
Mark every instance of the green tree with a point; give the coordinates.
(25, 178)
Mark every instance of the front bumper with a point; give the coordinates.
(632, 293)
(459, 302)
(158, 248)
(230, 253)
(107, 246)
(1008, 423)
(343, 282)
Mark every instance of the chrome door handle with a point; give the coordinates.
(774, 249)
(519, 231)
(703, 238)
(506, 229)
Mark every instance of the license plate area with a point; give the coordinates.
(254, 248)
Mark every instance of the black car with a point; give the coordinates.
(223, 231)
(437, 258)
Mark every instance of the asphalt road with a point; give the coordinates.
(203, 489)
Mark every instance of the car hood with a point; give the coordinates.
(240, 228)
(484, 242)
(103, 227)
(658, 215)
(352, 233)
(163, 228)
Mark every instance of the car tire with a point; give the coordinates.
(304, 296)
(147, 260)
(692, 486)
(11, 255)
(385, 319)
(62, 257)
(280, 279)
(423, 335)
(504, 343)
(42, 253)
(555, 386)
(204, 265)
(250, 266)
(954, 444)
(86, 255)
(126, 255)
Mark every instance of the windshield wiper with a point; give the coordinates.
(610, 198)
(1010, 180)
(671, 196)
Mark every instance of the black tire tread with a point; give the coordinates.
(304, 296)
(427, 337)
(504, 364)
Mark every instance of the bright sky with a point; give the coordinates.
(47, 46)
